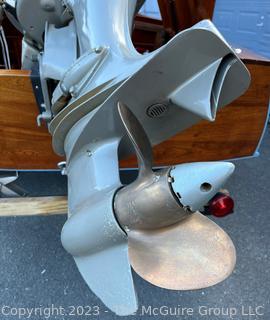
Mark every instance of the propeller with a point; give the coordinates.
(171, 244)
(152, 224)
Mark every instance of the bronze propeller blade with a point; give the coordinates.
(170, 245)
(193, 254)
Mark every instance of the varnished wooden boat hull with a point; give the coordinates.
(235, 133)
(23, 144)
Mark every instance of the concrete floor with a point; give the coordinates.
(37, 272)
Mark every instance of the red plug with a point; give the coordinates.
(220, 205)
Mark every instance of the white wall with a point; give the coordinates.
(151, 9)
(244, 23)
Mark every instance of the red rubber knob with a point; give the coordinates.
(221, 205)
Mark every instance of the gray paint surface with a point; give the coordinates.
(35, 269)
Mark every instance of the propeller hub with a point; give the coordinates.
(149, 203)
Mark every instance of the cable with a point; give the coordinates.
(3, 52)
(5, 48)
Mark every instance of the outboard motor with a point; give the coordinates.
(103, 101)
